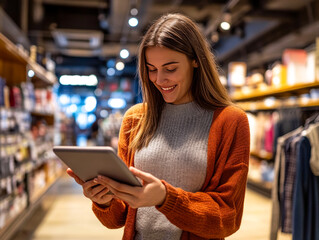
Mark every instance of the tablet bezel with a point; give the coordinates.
(89, 162)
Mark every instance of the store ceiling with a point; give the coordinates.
(83, 35)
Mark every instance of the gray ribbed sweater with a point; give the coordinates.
(177, 154)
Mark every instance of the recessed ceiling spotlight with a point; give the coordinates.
(134, 11)
(133, 21)
(225, 26)
(226, 22)
(124, 53)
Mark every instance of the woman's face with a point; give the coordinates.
(171, 72)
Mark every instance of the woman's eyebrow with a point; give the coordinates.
(165, 64)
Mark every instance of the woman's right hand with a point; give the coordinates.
(96, 192)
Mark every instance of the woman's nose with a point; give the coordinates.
(160, 78)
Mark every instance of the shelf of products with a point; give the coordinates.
(272, 104)
(287, 92)
(28, 167)
(268, 91)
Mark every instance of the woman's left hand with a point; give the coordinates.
(152, 193)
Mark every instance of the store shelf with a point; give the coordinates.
(14, 64)
(261, 187)
(265, 106)
(254, 94)
(10, 52)
(44, 77)
(13, 225)
(48, 117)
(262, 155)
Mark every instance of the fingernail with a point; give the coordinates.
(95, 180)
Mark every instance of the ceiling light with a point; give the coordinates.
(124, 53)
(225, 26)
(133, 21)
(78, 80)
(226, 23)
(134, 11)
(119, 66)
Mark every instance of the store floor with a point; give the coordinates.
(66, 214)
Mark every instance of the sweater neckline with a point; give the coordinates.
(182, 110)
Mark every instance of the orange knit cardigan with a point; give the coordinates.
(216, 211)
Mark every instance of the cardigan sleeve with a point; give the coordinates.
(115, 215)
(216, 211)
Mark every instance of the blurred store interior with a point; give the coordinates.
(68, 73)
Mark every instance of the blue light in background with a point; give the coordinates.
(90, 103)
(116, 103)
(64, 99)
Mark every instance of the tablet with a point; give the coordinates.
(89, 162)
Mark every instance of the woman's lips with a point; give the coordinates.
(168, 88)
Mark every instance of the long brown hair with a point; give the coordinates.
(179, 33)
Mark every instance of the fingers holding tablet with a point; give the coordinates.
(73, 175)
(96, 192)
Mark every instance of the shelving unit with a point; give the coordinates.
(28, 166)
(255, 94)
(258, 100)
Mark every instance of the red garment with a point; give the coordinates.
(216, 211)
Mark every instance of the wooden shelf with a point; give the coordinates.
(262, 155)
(11, 52)
(48, 117)
(262, 106)
(45, 77)
(273, 91)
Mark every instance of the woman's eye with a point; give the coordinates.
(171, 70)
(152, 70)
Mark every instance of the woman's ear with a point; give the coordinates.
(194, 64)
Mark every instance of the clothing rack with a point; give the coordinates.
(295, 193)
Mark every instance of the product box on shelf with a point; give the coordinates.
(2, 85)
(237, 74)
(4, 94)
(311, 67)
(28, 96)
(296, 62)
(279, 75)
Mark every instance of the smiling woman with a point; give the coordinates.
(187, 142)
(171, 72)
